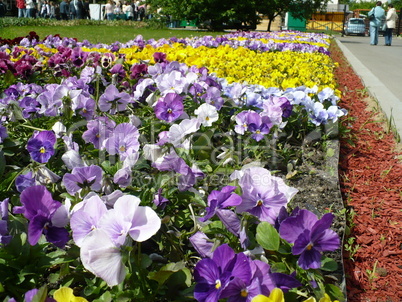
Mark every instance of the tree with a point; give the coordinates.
(300, 9)
(215, 14)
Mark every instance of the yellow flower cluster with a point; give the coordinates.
(284, 70)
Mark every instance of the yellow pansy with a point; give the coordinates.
(326, 298)
(65, 294)
(276, 295)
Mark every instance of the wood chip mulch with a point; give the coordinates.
(370, 173)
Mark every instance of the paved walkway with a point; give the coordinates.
(380, 68)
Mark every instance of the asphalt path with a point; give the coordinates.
(380, 68)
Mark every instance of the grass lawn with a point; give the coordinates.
(101, 33)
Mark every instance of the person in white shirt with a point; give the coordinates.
(391, 18)
(128, 10)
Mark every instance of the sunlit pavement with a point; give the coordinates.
(380, 69)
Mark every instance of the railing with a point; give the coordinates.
(325, 25)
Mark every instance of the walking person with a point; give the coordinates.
(30, 6)
(22, 10)
(109, 9)
(64, 10)
(377, 17)
(391, 18)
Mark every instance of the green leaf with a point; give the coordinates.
(329, 265)
(165, 272)
(330, 152)
(334, 292)
(2, 162)
(41, 295)
(267, 236)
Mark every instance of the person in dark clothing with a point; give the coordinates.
(3, 9)
(79, 9)
(72, 11)
(64, 10)
(87, 14)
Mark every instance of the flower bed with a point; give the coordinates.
(158, 170)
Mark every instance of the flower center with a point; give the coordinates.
(258, 132)
(122, 148)
(244, 293)
(309, 247)
(218, 284)
(207, 118)
(260, 203)
(169, 110)
(42, 150)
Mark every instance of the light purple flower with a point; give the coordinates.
(123, 177)
(113, 101)
(263, 194)
(129, 218)
(5, 238)
(102, 257)
(123, 141)
(88, 178)
(41, 146)
(170, 108)
(85, 217)
(98, 131)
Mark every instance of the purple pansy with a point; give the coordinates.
(85, 217)
(310, 236)
(41, 146)
(170, 108)
(123, 141)
(24, 181)
(40, 209)
(5, 238)
(220, 200)
(214, 275)
(263, 194)
(112, 100)
(89, 178)
(98, 131)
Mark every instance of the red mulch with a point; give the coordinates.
(371, 184)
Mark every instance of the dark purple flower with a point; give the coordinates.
(24, 181)
(159, 57)
(310, 236)
(78, 57)
(220, 200)
(89, 178)
(118, 71)
(258, 127)
(41, 146)
(170, 108)
(159, 200)
(214, 275)
(138, 70)
(3, 133)
(40, 209)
